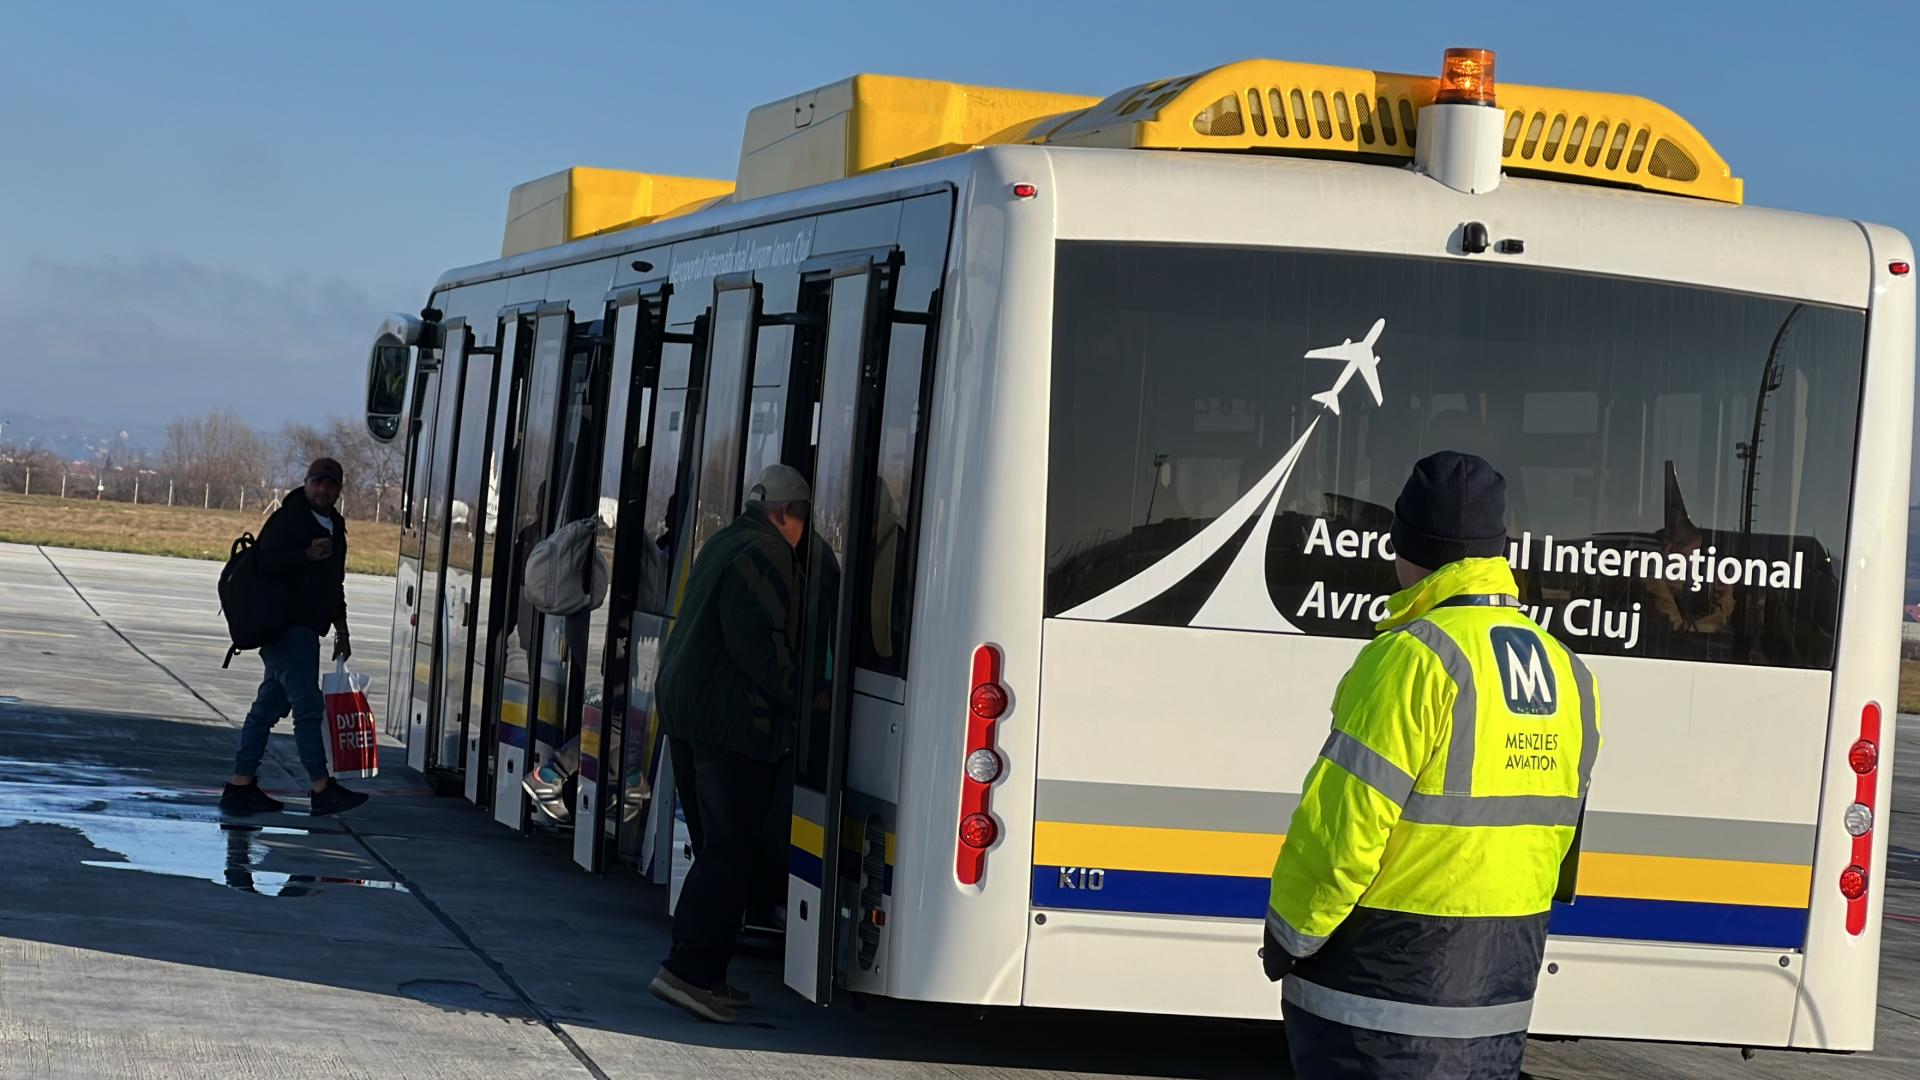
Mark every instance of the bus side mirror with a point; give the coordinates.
(387, 371)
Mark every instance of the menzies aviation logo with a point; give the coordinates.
(1241, 600)
(1526, 675)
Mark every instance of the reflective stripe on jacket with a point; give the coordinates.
(1419, 869)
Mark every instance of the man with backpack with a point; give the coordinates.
(300, 560)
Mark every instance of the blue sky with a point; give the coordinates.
(210, 204)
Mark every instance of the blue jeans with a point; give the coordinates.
(292, 685)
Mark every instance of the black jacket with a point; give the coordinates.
(316, 591)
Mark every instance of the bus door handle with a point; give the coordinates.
(409, 595)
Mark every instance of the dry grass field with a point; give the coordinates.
(1910, 686)
(184, 532)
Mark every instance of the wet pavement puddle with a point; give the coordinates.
(154, 833)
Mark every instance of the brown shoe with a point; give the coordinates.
(683, 995)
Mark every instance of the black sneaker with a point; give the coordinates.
(249, 799)
(334, 799)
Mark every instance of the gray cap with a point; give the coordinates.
(780, 484)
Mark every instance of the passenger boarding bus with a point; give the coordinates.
(1105, 403)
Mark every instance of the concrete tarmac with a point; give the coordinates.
(143, 935)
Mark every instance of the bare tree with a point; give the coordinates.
(29, 469)
(373, 468)
(220, 461)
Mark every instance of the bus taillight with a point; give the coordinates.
(1864, 758)
(986, 703)
(1853, 886)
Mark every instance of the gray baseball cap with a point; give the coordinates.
(780, 484)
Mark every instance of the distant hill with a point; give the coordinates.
(73, 438)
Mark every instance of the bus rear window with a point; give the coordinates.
(1678, 459)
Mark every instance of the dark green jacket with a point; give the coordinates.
(731, 669)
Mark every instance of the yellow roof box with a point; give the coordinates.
(872, 122)
(580, 201)
(1278, 106)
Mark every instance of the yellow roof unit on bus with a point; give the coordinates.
(872, 122)
(578, 202)
(1283, 107)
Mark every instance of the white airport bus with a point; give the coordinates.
(1102, 512)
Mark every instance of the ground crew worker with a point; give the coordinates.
(728, 694)
(1409, 906)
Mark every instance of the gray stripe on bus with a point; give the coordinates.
(1369, 765)
(1696, 838)
(809, 805)
(1086, 802)
(1465, 709)
(1406, 1018)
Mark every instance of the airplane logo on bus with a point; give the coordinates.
(1359, 357)
(1241, 601)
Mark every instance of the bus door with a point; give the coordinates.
(822, 887)
(463, 590)
(534, 504)
(406, 586)
(645, 826)
(432, 507)
(495, 565)
(562, 652)
(430, 615)
(638, 316)
(720, 418)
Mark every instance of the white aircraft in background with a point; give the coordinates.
(1359, 357)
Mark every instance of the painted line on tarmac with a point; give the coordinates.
(215, 709)
(499, 970)
(37, 633)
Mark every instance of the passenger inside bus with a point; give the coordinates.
(729, 691)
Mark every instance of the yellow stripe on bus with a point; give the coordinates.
(1167, 851)
(1251, 855)
(807, 836)
(1704, 881)
(811, 838)
(513, 703)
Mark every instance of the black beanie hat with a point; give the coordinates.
(1454, 507)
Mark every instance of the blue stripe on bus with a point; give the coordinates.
(510, 735)
(806, 867)
(1675, 920)
(1149, 893)
(803, 866)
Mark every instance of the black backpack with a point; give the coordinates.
(254, 603)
